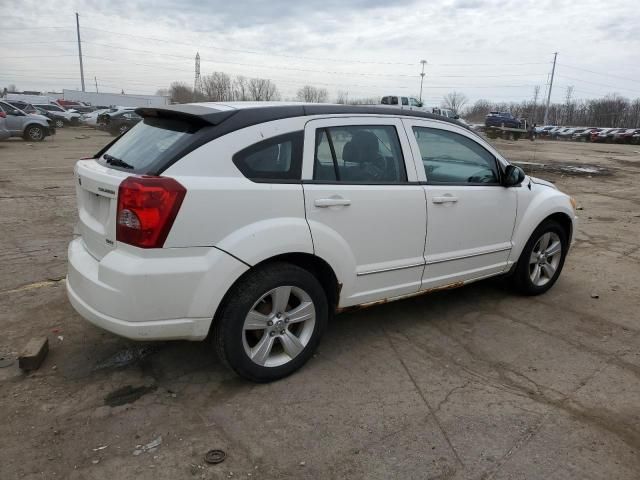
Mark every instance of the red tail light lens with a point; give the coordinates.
(3, 114)
(147, 207)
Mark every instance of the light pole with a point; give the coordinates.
(423, 62)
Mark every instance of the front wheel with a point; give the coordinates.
(542, 259)
(34, 133)
(59, 123)
(271, 322)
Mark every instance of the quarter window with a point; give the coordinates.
(275, 159)
(359, 154)
(451, 158)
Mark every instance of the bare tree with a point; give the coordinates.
(11, 88)
(455, 101)
(163, 92)
(180, 92)
(262, 89)
(217, 87)
(312, 94)
(240, 88)
(342, 97)
(536, 95)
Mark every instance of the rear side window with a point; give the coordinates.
(149, 142)
(272, 160)
(359, 154)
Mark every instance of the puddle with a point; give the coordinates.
(565, 168)
(127, 394)
(129, 355)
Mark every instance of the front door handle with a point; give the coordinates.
(332, 202)
(445, 199)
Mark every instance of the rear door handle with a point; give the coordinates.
(445, 199)
(332, 202)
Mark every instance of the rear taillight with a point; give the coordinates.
(3, 114)
(147, 207)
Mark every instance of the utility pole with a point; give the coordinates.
(96, 80)
(553, 71)
(197, 84)
(423, 62)
(80, 51)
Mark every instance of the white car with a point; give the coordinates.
(251, 223)
(72, 118)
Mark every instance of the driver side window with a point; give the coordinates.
(451, 158)
(359, 154)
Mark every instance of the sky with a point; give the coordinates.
(487, 49)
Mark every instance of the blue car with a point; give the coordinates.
(499, 119)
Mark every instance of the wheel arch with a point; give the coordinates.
(312, 263)
(522, 235)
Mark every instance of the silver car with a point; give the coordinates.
(4, 133)
(28, 126)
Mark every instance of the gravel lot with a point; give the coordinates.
(476, 383)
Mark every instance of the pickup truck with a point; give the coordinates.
(398, 101)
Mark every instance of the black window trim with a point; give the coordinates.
(297, 141)
(499, 168)
(325, 129)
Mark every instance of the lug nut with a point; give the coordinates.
(270, 323)
(286, 320)
(278, 315)
(271, 334)
(281, 332)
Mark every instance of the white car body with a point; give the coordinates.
(381, 241)
(91, 119)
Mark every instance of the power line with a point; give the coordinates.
(598, 73)
(598, 84)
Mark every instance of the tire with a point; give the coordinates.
(242, 326)
(34, 133)
(524, 274)
(58, 123)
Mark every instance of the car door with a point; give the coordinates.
(470, 215)
(14, 118)
(365, 209)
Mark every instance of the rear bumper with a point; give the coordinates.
(169, 294)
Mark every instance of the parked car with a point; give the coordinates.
(499, 119)
(24, 106)
(445, 112)
(91, 119)
(119, 122)
(4, 132)
(585, 134)
(67, 117)
(544, 131)
(566, 134)
(255, 223)
(600, 135)
(635, 138)
(625, 135)
(611, 134)
(555, 133)
(28, 126)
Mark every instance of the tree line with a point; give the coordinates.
(612, 110)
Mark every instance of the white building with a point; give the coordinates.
(107, 99)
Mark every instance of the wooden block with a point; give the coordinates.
(33, 353)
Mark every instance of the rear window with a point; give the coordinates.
(148, 143)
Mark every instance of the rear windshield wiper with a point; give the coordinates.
(116, 162)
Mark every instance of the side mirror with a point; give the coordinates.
(513, 176)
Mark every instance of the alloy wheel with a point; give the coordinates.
(545, 258)
(279, 326)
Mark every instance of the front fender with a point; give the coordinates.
(543, 203)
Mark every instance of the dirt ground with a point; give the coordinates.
(476, 383)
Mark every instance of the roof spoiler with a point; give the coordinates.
(191, 113)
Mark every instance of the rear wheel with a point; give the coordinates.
(542, 259)
(271, 322)
(58, 123)
(34, 133)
